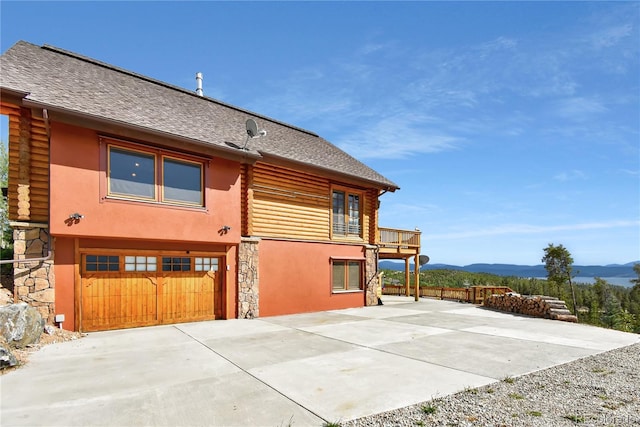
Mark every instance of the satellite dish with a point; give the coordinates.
(252, 128)
(423, 259)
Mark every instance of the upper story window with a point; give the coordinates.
(182, 181)
(132, 173)
(346, 218)
(150, 176)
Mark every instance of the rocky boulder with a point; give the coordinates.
(20, 324)
(7, 359)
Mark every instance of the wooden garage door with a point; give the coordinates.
(129, 290)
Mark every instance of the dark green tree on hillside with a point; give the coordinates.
(634, 297)
(6, 236)
(4, 179)
(559, 265)
(636, 281)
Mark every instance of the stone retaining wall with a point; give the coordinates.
(537, 306)
(34, 281)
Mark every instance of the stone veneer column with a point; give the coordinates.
(248, 281)
(34, 281)
(371, 275)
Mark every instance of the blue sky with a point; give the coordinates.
(507, 125)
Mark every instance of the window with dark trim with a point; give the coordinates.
(103, 263)
(140, 174)
(346, 218)
(176, 264)
(346, 275)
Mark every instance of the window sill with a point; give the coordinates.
(342, 238)
(154, 203)
(347, 292)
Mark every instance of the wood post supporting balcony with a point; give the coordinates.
(401, 244)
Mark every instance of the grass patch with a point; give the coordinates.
(612, 405)
(331, 424)
(490, 390)
(602, 371)
(471, 390)
(535, 413)
(508, 380)
(516, 396)
(428, 409)
(574, 418)
(420, 423)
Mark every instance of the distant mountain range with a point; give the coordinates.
(611, 270)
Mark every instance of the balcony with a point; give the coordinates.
(394, 243)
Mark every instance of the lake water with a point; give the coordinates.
(618, 281)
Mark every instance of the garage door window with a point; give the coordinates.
(140, 263)
(176, 264)
(206, 264)
(102, 263)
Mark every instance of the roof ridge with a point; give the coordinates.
(169, 86)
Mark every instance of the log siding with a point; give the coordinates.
(28, 198)
(285, 203)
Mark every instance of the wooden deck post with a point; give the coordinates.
(406, 277)
(416, 272)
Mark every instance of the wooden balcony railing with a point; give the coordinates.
(392, 240)
(474, 294)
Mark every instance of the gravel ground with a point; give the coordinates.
(600, 390)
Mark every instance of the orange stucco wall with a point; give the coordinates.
(295, 277)
(76, 181)
(64, 270)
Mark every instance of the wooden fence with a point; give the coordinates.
(473, 294)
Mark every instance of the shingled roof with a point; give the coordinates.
(79, 85)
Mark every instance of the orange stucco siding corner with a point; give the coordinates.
(295, 277)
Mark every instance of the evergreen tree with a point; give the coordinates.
(559, 265)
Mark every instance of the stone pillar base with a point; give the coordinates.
(248, 281)
(34, 281)
(371, 275)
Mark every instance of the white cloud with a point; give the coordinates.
(397, 137)
(611, 36)
(579, 108)
(571, 175)
(392, 100)
(630, 172)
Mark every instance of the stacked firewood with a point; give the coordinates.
(537, 305)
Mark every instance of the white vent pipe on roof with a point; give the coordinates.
(199, 84)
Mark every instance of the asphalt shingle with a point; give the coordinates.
(84, 86)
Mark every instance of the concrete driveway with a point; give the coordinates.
(300, 370)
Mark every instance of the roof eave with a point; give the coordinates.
(244, 156)
(386, 186)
